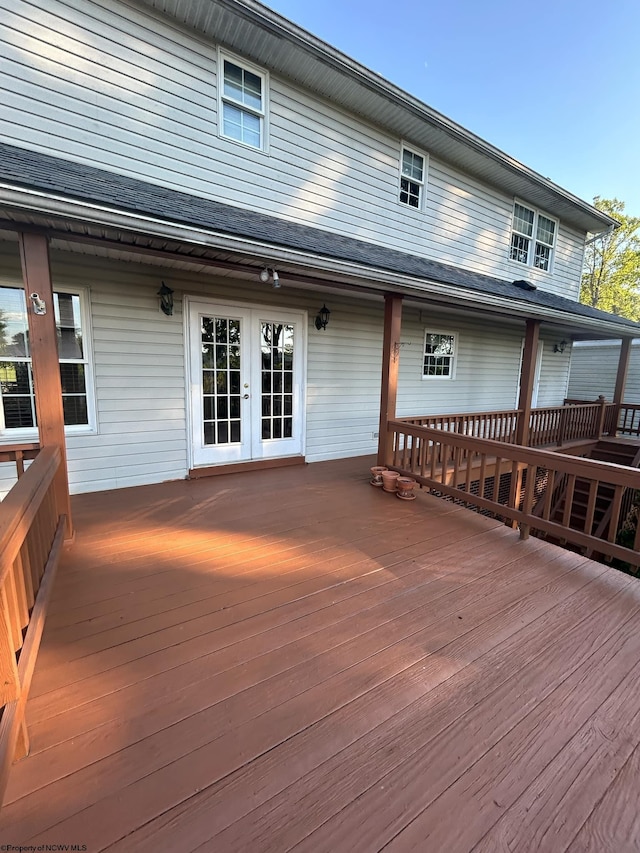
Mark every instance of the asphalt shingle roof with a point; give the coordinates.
(24, 168)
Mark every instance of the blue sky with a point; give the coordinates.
(554, 84)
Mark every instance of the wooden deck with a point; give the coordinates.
(291, 659)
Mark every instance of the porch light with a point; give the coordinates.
(166, 299)
(560, 347)
(322, 318)
(272, 274)
(38, 304)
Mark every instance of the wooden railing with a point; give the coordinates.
(561, 424)
(629, 419)
(498, 426)
(18, 453)
(473, 471)
(31, 536)
(551, 426)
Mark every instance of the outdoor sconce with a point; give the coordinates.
(267, 274)
(322, 318)
(39, 306)
(560, 347)
(166, 299)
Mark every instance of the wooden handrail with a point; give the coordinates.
(31, 536)
(441, 461)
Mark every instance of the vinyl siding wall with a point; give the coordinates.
(594, 366)
(140, 371)
(102, 82)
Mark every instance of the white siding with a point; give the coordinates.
(140, 368)
(105, 83)
(554, 374)
(487, 370)
(594, 366)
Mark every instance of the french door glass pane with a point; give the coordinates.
(277, 348)
(220, 346)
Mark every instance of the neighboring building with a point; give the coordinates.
(594, 366)
(203, 143)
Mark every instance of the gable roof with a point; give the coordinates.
(43, 176)
(255, 31)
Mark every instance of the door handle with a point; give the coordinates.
(246, 396)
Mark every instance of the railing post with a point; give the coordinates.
(602, 416)
(562, 425)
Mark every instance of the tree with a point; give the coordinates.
(611, 275)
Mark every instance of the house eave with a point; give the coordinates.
(256, 32)
(65, 218)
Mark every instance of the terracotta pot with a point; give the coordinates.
(376, 473)
(405, 487)
(389, 480)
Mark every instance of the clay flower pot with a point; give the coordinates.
(389, 480)
(376, 473)
(405, 487)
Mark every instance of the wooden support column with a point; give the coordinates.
(527, 377)
(621, 377)
(43, 344)
(390, 363)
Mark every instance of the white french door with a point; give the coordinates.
(246, 369)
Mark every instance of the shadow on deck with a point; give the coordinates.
(291, 658)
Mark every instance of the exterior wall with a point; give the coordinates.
(103, 82)
(140, 382)
(594, 365)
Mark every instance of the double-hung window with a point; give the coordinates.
(439, 355)
(18, 410)
(412, 169)
(242, 103)
(532, 238)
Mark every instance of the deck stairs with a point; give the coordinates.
(620, 453)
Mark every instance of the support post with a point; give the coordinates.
(43, 344)
(621, 378)
(390, 363)
(527, 377)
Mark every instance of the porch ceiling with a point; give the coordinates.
(291, 657)
(81, 204)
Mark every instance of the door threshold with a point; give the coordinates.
(238, 467)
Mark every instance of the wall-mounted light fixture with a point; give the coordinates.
(560, 347)
(38, 304)
(322, 318)
(272, 274)
(166, 299)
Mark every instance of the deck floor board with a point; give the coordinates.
(290, 659)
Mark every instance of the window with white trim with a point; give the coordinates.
(242, 102)
(412, 169)
(439, 355)
(18, 412)
(532, 238)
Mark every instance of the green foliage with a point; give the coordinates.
(611, 276)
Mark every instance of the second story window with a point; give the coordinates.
(411, 178)
(532, 238)
(242, 103)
